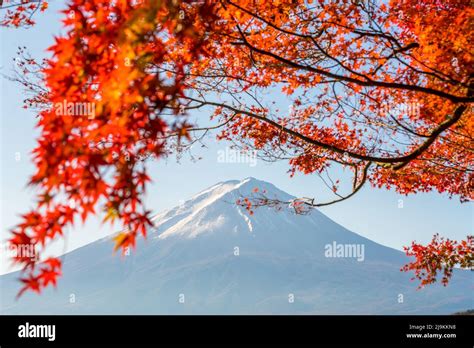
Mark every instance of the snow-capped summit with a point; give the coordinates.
(214, 207)
(210, 256)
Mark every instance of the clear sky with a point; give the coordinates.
(374, 214)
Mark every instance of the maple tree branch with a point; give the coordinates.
(361, 33)
(368, 81)
(433, 136)
(17, 4)
(356, 187)
(379, 160)
(437, 131)
(300, 203)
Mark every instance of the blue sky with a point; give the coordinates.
(374, 214)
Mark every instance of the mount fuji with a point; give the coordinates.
(210, 256)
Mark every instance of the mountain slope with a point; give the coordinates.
(209, 256)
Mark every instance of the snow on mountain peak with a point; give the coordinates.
(209, 209)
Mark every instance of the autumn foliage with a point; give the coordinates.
(383, 89)
(19, 13)
(441, 255)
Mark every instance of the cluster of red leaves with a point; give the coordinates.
(20, 12)
(106, 62)
(441, 255)
(245, 203)
(259, 198)
(48, 273)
